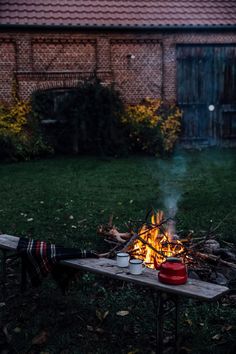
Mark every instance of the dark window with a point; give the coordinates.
(51, 105)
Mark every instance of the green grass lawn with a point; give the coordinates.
(64, 200)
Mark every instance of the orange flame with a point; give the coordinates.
(156, 241)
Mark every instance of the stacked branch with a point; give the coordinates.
(123, 241)
(112, 234)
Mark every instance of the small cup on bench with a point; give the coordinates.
(136, 266)
(122, 259)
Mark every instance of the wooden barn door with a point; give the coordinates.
(206, 91)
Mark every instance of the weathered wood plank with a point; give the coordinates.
(9, 242)
(149, 278)
(193, 288)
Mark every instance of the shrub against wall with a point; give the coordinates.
(153, 126)
(87, 118)
(95, 112)
(20, 136)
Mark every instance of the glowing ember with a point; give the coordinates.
(157, 241)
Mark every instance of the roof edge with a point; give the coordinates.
(120, 27)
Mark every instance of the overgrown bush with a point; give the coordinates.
(94, 112)
(87, 118)
(20, 137)
(153, 126)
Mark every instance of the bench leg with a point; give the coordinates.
(159, 322)
(23, 276)
(160, 302)
(4, 272)
(177, 325)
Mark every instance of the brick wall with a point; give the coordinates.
(140, 63)
(67, 55)
(7, 67)
(136, 68)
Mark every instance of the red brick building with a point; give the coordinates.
(183, 50)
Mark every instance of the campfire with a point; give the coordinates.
(156, 238)
(153, 243)
(156, 241)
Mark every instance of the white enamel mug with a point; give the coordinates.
(136, 266)
(122, 259)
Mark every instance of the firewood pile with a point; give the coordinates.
(206, 257)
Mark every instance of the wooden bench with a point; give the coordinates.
(197, 289)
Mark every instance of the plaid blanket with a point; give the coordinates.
(40, 258)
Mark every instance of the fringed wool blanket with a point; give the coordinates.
(40, 258)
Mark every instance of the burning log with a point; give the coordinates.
(129, 243)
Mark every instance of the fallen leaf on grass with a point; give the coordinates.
(216, 336)
(101, 315)
(81, 221)
(168, 339)
(122, 313)
(41, 338)
(226, 328)
(189, 322)
(100, 330)
(90, 328)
